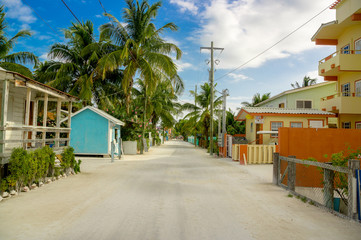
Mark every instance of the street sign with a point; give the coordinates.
(220, 140)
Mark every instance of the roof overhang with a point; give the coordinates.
(328, 33)
(30, 83)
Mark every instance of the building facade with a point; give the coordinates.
(344, 65)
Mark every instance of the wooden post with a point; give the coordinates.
(58, 116)
(276, 168)
(353, 164)
(27, 114)
(45, 117)
(35, 120)
(328, 179)
(70, 106)
(291, 180)
(4, 113)
(120, 143)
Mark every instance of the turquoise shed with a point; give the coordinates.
(94, 131)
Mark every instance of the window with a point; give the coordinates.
(274, 127)
(281, 105)
(358, 46)
(303, 104)
(358, 88)
(315, 123)
(296, 124)
(346, 125)
(345, 49)
(345, 89)
(358, 125)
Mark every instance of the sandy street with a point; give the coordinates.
(172, 192)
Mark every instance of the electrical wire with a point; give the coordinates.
(269, 48)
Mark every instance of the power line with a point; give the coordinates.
(71, 11)
(269, 48)
(37, 14)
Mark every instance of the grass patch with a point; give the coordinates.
(290, 195)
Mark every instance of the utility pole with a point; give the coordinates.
(224, 94)
(195, 128)
(212, 91)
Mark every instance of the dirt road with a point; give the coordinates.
(173, 192)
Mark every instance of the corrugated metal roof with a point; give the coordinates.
(286, 110)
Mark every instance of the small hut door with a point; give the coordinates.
(259, 137)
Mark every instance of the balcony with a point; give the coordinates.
(341, 104)
(336, 63)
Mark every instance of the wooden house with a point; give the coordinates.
(94, 131)
(23, 122)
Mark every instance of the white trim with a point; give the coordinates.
(101, 113)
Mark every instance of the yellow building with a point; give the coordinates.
(262, 123)
(344, 65)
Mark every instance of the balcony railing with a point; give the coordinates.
(342, 102)
(340, 52)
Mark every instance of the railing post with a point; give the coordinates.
(328, 179)
(291, 180)
(353, 164)
(276, 168)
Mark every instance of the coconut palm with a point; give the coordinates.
(140, 50)
(14, 61)
(307, 81)
(72, 66)
(199, 117)
(257, 98)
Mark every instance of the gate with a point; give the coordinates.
(229, 146)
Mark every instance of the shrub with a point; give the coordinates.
(68, 159)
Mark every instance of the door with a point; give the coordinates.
(358, 88)
(259, 137)
(358, 46)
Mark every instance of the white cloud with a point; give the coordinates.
(17, 10)
(246, 28)
(44, 57)
(183, 65)
(98, 16)
(235, 78)
(186, 5)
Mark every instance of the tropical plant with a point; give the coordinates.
(234, 127)
(307, 81)
(199, 118)
(257, 98)
(139, 48)
(13, 61)
(72, 65)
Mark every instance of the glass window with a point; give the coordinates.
(358, 125)
(358, 46)
(296, 125)
(345, 89)
(281, 105)
(346, 125)
(303, 104)
(275, 126)
(345, 49)
(358, 88)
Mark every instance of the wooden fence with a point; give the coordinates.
(328, 188)
(253, 154)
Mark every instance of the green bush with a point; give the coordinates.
(68, 159)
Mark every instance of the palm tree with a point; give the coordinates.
(72, 66)
(307, 81)
(199, 118)
(139, 48)
(13, 61)
(257, 98)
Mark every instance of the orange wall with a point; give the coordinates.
(311, 142)
(316, 142)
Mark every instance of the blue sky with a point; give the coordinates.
(243, 28)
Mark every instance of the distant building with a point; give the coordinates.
(305, 97)
(262, 123)
(344, 65)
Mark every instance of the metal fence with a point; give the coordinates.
(321, 184)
